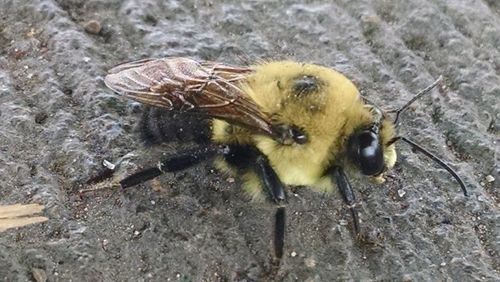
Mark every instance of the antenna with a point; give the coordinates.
(416, 146)
(416, 97)
(434, 158)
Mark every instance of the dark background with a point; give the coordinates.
(58, 123)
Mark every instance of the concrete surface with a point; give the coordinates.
(58, 123)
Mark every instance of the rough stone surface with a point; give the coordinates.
(58, 123)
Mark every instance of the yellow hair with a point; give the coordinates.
(329, 113)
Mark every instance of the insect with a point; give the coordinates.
(274, 124)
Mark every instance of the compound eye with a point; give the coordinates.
(366, 152)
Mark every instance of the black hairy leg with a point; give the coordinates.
(249, 158)
(270, 180)
(339, 176)
(158, 125)
(277, 194)
(242, 157)
(172, 163)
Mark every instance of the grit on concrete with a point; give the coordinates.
(58, 122)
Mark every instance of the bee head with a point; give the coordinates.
(365, 150)
(365, 146)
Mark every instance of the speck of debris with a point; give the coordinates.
(406, 278)
(108, 164)
(401, 193)
(310, 262)
(293, 254)
(41, 117)
(489, 178)
(93, 27)
(39, 274)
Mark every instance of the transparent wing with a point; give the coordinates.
(186, 85)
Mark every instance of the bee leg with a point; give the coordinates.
(176, 162)
(279, 233)
(270, 180)
(347, 194)
(277, 194)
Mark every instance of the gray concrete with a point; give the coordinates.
(58, 123)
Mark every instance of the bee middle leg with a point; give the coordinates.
(277, 194)
(276, 191)
(249, 158)
(338, 174)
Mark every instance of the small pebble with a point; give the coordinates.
(39, 274)
(293, 254)
(489, 178)
(401, 193)
(93, 27)
(108, 164)
(310, 262)
(407, 278)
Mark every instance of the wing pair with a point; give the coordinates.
(185, 85)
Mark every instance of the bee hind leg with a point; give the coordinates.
(176, 162)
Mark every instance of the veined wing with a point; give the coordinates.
(186, 85)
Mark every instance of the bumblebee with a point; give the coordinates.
(274, 124)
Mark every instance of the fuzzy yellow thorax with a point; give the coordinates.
(328, 113)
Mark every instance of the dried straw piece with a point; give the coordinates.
(18, 215)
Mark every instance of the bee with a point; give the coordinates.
(275, 124)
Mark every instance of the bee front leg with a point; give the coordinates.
(277, 194)
(176, 162)
(338, 174)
